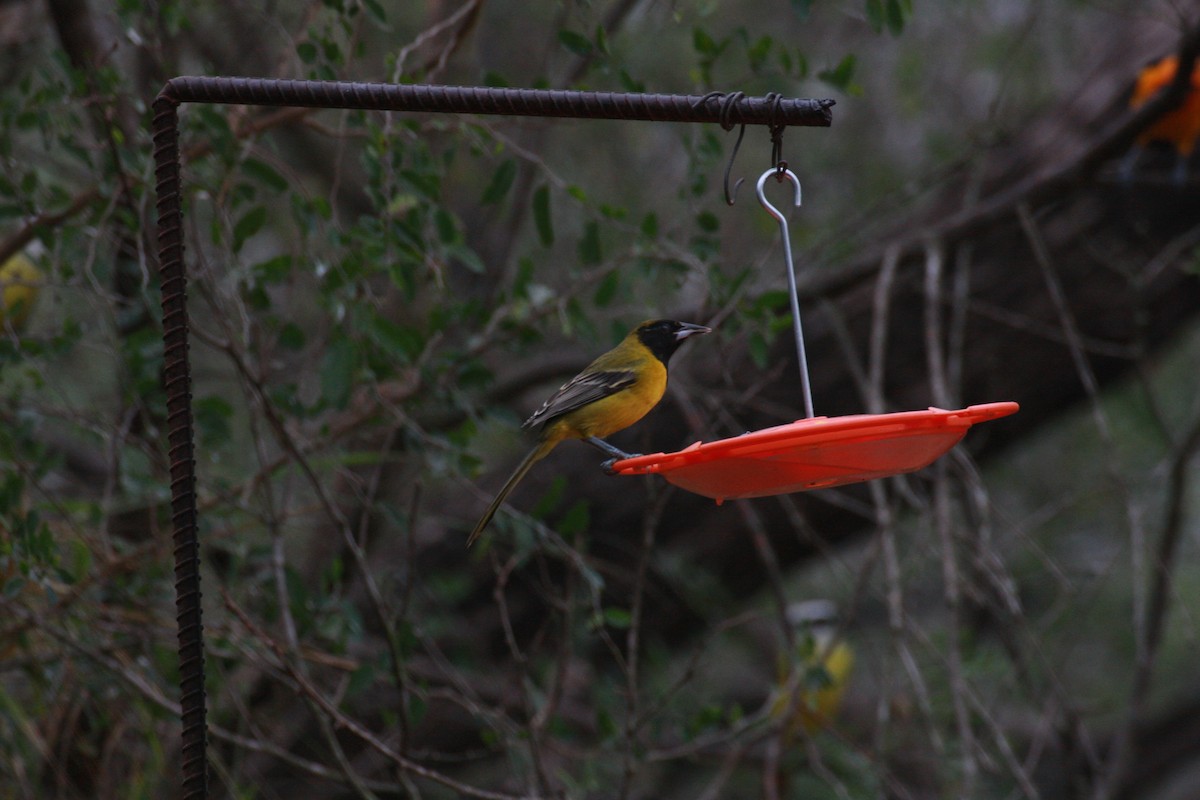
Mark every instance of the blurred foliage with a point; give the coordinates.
(372, 298)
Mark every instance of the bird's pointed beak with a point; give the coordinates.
(687, 329)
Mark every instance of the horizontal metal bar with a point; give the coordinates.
(726, 109)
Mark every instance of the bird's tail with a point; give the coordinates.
(535, 455)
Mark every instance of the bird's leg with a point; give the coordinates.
(617, 453)
(608, 449)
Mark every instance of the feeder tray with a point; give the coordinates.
(814, 453)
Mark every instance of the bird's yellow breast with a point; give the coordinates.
(815, 708)
(617, 411)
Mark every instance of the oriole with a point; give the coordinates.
(813, 679)
(613, 392)
(1179, 127)
(19, 284)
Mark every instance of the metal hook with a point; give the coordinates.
(731, 196)
(777, 129)
(793, 294)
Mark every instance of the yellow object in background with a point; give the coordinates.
(813, 680)
(20, 281)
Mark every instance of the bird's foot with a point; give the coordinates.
(609, 465)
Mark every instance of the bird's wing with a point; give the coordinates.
(579, 391)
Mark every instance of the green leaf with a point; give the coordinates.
(607, 289)
(650, 226)
(250, 224)
(467, 257)
(618, 617)
(703, 43)
(81, 560)
(709, 716)
(897, 14)
(337, 372)
(602, 40)
(631, 84)
(758, 350)
(757, 53)
(321, 207)
(841, 76)
(399, 339)
(292, 336)
(258, 298)
(416, 709)
(874, 9)
(708, 221)
(769, 301)
(891, 15)
(212, 418)
(541, 215)
(523, 278)
(493, 79)
(307, 52)
(333, 51)
(376, 10)
(604, 724)
(502, 180)
(801, 63)
(577, 43)
(446, 225)
(575, 521)
(590, 252)
(274, 269)
(265, 173)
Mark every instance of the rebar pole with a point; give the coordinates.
(177, 384)
(726, 109)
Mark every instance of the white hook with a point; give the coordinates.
(793, 294)
(762, 196)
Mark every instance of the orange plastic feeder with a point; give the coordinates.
(814, 453)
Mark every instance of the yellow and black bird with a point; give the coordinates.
(613, 392)
(812, 679)
(20, 281)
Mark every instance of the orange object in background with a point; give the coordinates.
(814, 453)
(1181, 126)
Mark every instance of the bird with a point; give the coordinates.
(812, 679)
(1179, 127)
(20, 281)
(610, 394)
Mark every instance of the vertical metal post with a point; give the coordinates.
(177, 381)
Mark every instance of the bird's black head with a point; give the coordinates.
(662, 337)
